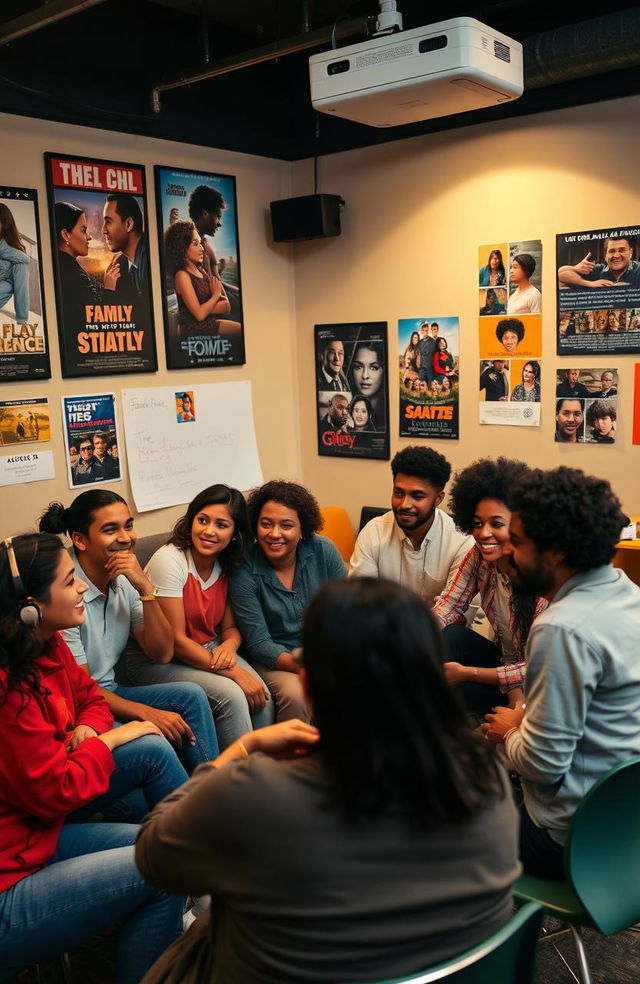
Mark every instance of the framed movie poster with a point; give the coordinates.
(200, 260)
(429, 376)
(351, 390)
(599, 291)
(99, 232)
(24, 343)
(91, 439)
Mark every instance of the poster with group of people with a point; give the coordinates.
(24, 345)
(429, 376)
(510, 332)
(351, 392)
(598, 292)
(199, 255)
(586, 406)
(24, 421)
(91, 439)
(99, 232)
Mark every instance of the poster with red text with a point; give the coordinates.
(99, 232)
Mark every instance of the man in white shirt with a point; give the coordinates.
(415, 544)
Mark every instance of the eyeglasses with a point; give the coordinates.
(87, 447)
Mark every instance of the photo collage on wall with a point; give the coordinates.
(24, 344)
(598, 292)
(510, 332)
(586, 406)
(200, 260)
(351, 390)
(429, 376)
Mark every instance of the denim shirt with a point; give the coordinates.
(268, 614)
(8, 256)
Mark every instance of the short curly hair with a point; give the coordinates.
(422, 463)
(484, 479)
(566, 510)
(177, 239)
(291, 495)
(510, 324)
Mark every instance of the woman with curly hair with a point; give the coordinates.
(62, 877)
(270, 593)
(478, 504)
(201, 297)
(190, 574)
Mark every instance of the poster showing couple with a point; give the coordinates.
(24, 346)
(99, 231)
(429, 376)
(510, 332)
(351, 391)
(598, 290)
(199, 253)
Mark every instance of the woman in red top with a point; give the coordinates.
(62, 760)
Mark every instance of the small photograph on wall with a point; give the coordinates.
(25, 421)
(24, 344)
(351, 390)
(91, 439)
(99, 233)
(598, 291)
(200, 260)
(429, 376)
(586, 406)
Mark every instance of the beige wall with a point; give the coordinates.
(416, 211)
(267, 281)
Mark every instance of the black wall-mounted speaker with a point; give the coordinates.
(308, 217)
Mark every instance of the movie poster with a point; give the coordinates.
(91, 439)
(99, 232)
(599, 292)
(25, 421)
(24, 344)
(201, 288)
(586, 406)
(351, 390)
(510, 332)
(429, 377)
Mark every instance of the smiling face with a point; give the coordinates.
(415, 338)
(86, 451)
(491, 528)
(211, 531)
(414, 501)
(111, 531)
(617, 255)
(510, 341)
(99, 447)
(64, 609)
(367, 371)
(278, 533)
(360, 414)
(606, 381)
(569, 418)
(442, 345)
(494, 261)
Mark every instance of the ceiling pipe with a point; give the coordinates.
(51, 12)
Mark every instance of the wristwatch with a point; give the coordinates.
(150, 597)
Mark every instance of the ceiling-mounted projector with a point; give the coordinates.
(445, 68)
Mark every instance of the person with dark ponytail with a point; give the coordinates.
(121, 600)
(478, 504)
(63, 761)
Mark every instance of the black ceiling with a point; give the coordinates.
(98, 66)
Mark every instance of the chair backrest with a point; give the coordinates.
(370, 512)
(507, 957)
(602, 857)
(337, 526)
(147, 546)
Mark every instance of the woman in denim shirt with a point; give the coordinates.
(14, 266)
(271, 591)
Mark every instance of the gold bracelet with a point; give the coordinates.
(151, 596)
(242, 747)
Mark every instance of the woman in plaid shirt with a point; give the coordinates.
(487, 672)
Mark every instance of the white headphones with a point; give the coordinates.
(28, 611)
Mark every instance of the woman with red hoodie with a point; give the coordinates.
(62, 761)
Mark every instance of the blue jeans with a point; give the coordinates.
(189, 701)
(90, 883)
(17, 286)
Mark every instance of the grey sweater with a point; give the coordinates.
(582, 691)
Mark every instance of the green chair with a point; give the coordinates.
(602, 864)
(507, 957)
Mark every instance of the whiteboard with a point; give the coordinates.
(177, 447)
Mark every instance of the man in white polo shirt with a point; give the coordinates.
(415, 544)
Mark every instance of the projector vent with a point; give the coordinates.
(502, 51)
(433, 44)
(389, 54)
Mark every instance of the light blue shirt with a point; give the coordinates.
(582, 690)
(108, 622)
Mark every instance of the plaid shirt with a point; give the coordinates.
(476, 575)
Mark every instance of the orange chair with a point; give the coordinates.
(337, 526)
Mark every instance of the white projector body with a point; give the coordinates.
(437, 70)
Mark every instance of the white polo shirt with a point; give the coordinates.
(383, 550)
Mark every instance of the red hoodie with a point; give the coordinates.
(40, 782)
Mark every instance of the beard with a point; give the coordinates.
(412, 522)
(536, 581)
